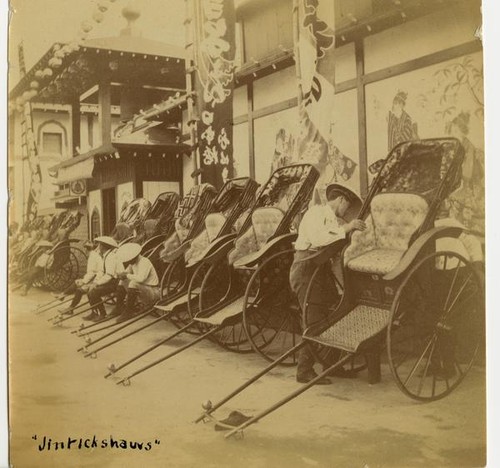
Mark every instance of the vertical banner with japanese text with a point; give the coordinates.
(215, 36)
(316, 61)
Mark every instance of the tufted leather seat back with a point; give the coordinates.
(265, 222)
(393, 219)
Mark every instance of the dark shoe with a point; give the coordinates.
(116, 311)
(124, 317)
(91, 316)
(343, 373)
(234, 419)
(306, 378)
(98, 318)
(67, 311)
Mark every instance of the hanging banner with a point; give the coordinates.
(215, 36)
(316, 67)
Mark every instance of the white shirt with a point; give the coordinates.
(110, 268)
(142, 272)
(94, 267)
(319, 227)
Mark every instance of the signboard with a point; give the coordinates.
(215, 36)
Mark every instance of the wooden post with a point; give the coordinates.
(105, 111)
(296, 51)
(251, 129)
(363, 155)
(75, 125)
(191, 62)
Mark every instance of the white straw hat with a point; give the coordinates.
(128, 252)
(106, 240)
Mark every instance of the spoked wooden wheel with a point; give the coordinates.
(173, 278)
(221, 291)
(270, 314)
(61, 269)
(194, 288)
(172, 283)
(436, 326)
(323, 296)
(81, 258)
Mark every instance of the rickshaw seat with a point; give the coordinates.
(393, 219)
(213, 224)
(265, 221)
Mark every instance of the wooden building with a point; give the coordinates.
(99, 88)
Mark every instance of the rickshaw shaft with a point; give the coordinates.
(290, 397)
(252, 380)
(173, 353)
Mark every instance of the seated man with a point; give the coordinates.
(320, 226)
(83, 285)
(139, 281)
(105, 283)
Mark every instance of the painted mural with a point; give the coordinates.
(441, 100)
(400, 126)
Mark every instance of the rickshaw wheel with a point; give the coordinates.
(216, 291)
(194, 288)
(436, 326)
(270, 321)
(172, 282)
(60, 272)
(328, 301)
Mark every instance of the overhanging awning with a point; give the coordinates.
(79, 167)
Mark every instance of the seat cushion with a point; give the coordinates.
(393, 219)
(198, 247)
(213, 224)
(244, 245)
(377, 261)
(265, 222)
(396, 217)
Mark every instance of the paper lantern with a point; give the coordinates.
(86, 26)
(55, 62)
(98, 17)
(73, 46)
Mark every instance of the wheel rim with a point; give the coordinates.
(436, 326)
(60, 274)
(219, 286)
(270, 317)
(173, 282)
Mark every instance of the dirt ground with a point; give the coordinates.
(57, 393)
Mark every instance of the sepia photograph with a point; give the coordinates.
(246, 233)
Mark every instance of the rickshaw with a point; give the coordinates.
(158, 222)
(193, 225)
(234, 293)
(57, 253)
(404, 288)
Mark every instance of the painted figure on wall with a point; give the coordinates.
(400, 126)
(467, 203)
(283, 150)
(336, 167)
